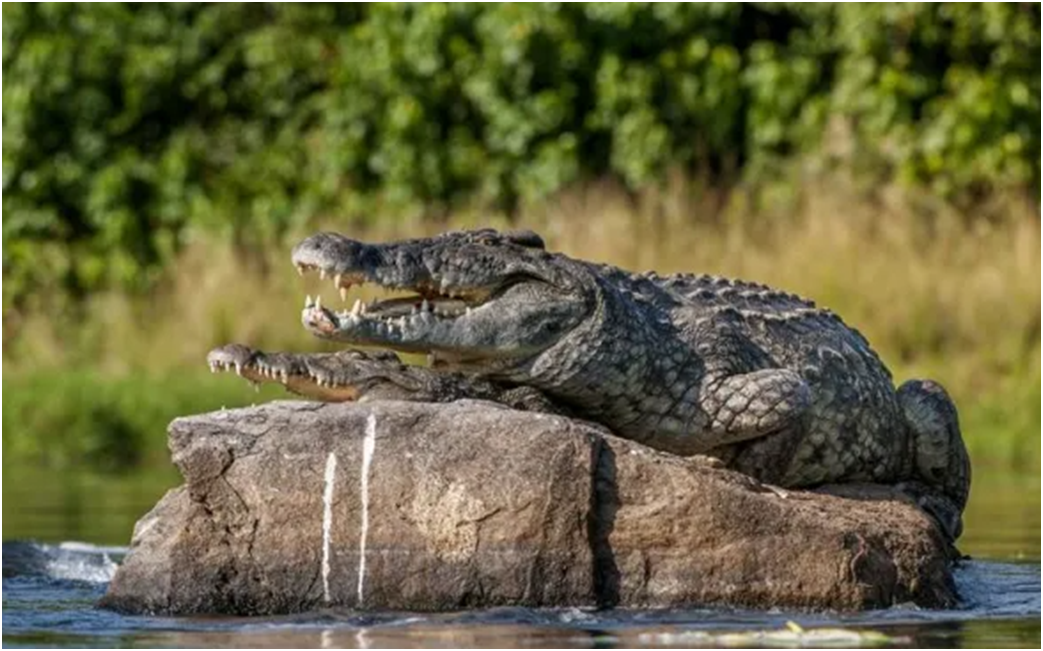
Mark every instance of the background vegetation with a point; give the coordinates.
(160, 160)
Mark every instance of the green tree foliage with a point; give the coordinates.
(124, 125)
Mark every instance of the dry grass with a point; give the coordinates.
(937, 294)
(930, 293)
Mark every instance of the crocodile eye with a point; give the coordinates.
(526, 238)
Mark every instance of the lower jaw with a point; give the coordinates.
(444, 358)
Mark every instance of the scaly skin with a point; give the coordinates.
(761, 379)
(357, 376)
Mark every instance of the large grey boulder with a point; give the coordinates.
(292, 506)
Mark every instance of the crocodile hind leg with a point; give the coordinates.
(940, 459)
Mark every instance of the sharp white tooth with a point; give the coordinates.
(343, 293)
(318, 301)
(402, 322)
(307, 301)
(336, 280)
(285, 376)
(213, 368)
(425, 306)
(356, 309)
(238, 369)
(467, 311)
(413, 311)
(322, 274)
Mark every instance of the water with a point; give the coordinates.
(49, 590)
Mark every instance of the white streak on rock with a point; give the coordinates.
(327, 523)
(369, 444)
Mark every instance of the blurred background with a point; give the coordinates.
(159, 161)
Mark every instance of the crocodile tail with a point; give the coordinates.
(940, 457)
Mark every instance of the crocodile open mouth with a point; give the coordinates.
(306, 374)
(456, 301)
(427, 301)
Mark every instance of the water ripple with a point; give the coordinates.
(49, 593)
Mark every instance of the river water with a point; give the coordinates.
(50, 587)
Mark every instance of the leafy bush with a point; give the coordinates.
(125, 125)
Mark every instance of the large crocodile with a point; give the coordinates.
(690, 364)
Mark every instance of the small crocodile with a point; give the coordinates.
(361, 376)
(763, 380)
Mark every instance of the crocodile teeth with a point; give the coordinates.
(307, 301)
(300, 269)
(425, 306)
(238, 368)
(343, 293)
(356, 309)
(322, 274)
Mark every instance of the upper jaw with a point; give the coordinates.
(349, 263)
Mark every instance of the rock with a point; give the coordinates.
(470, 504)
(23, 558)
